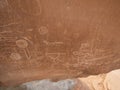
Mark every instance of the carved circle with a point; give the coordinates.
(15, 56)
(76, 53)
(22, 43)
(43, 30)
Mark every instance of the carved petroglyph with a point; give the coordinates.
(22, 43)
(82, 53)
(100, 58)
(15, 56)
(5, 31)
(52, 43)
(86, 54)
(28, 40)
(58, 36)
(2, 38)
(30, 30)
(55, 57)
(43, 30)
(27, 53)
(8, 25)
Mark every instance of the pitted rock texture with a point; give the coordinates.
(58, 39)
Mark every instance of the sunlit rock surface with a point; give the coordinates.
(110, 81)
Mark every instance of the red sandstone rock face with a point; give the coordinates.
(58, 39)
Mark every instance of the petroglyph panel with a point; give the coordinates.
(58, 39)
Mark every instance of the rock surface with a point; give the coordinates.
(57, 39)
(44, 85)
(110, 81)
